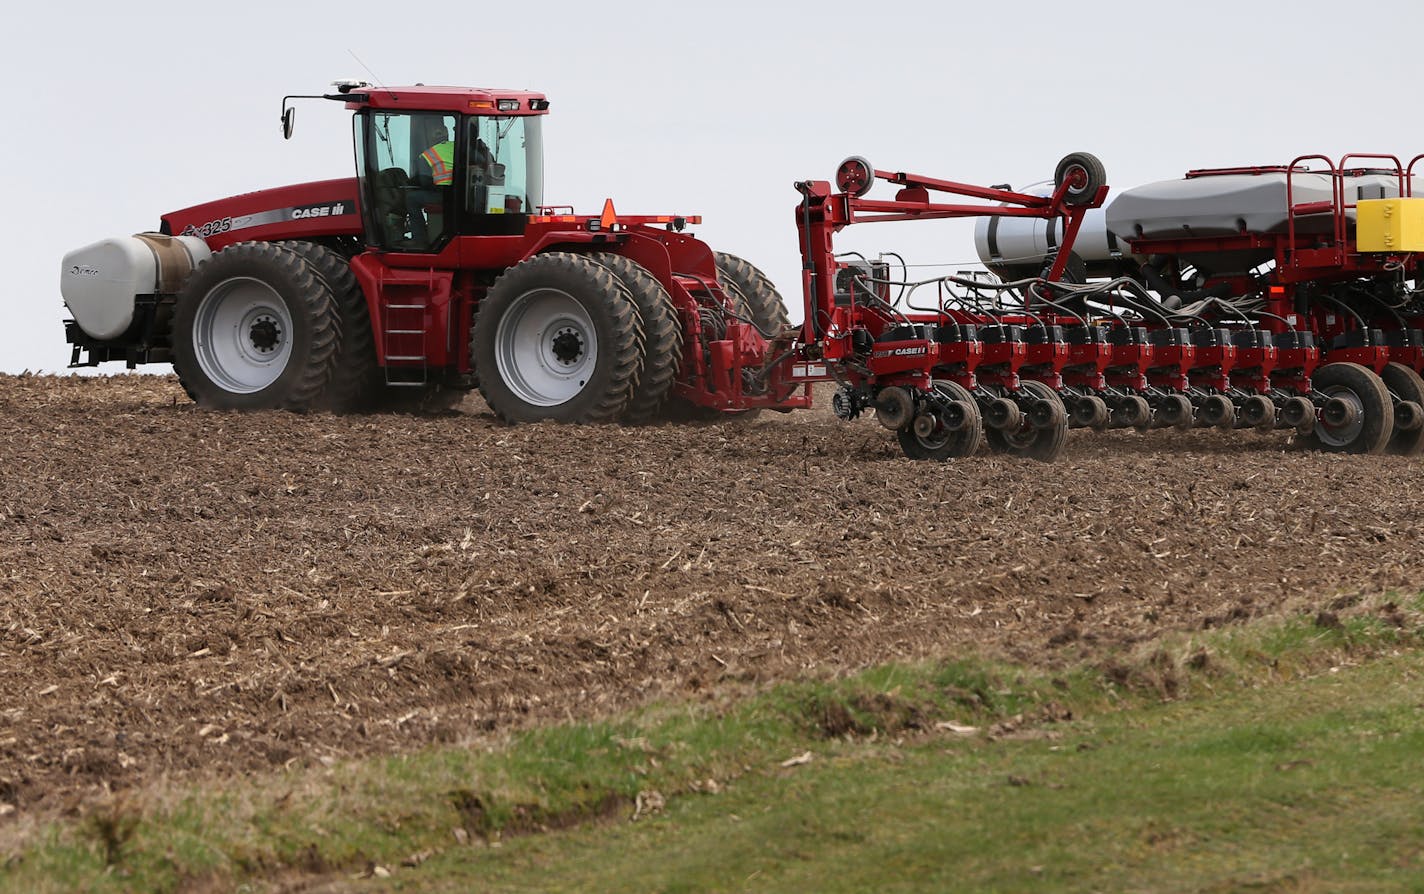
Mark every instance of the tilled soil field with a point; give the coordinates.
(186, 592)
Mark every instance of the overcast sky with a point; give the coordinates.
(126, 111)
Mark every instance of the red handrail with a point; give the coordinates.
(1335, 198)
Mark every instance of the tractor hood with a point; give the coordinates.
(302, 211)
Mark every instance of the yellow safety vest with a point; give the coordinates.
(441, 158)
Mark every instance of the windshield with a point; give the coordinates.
(506, 165)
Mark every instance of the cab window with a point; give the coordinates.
(409, 163)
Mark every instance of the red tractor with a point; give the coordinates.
(437, 266)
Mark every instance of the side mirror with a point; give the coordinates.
(289, 122)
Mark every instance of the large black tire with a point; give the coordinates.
(255, 328)
(662, 337)
(1405, 384)
(356, 382)
(944, 445)
(1367, 393)
(761, 300)
(557, 338)
(1043, 444)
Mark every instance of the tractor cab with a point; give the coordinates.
(439, 162)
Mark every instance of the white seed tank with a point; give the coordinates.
(1204, 205)
(101, 282)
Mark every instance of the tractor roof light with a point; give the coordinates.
(508, 105)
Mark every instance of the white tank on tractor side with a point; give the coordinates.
(101, 281)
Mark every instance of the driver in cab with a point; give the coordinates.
(433, 173)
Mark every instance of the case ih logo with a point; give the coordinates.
(326, 209)
(901, 352)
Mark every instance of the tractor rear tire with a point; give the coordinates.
(255, 328)
(1043, 444)
(356, 382)
(946, 444)
(557, 338)
(762, 302)
(1406, 384)
(1366, 393)
(662, 337)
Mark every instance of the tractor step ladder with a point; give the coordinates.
(404, 328)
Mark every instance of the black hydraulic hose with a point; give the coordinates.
(1145, 301)
(989, 311)
(904, 273)
(1085, 294)
(1265, 313)
(1016, 285)
(722, 309)
(1116, 287)
(1244, 316)
(1385, 304)
(1347, 309)
(1147, 308)
(1160, 284)
(1056, 305)
(889, 308)
(808, 266)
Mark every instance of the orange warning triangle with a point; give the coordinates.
(609, 218)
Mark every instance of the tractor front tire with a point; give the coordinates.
(557, 338)
(255, 328)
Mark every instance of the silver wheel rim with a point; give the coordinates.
(545, 347)
(1344, 435)
(243, 335)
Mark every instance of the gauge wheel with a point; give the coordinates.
(1045, 443)
(942, 444)
(1406, 384)
(1371, 421)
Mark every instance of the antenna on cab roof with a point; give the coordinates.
(379, 82)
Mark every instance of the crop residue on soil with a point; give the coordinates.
(189, 591)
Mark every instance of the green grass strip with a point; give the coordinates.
(1285, 759)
